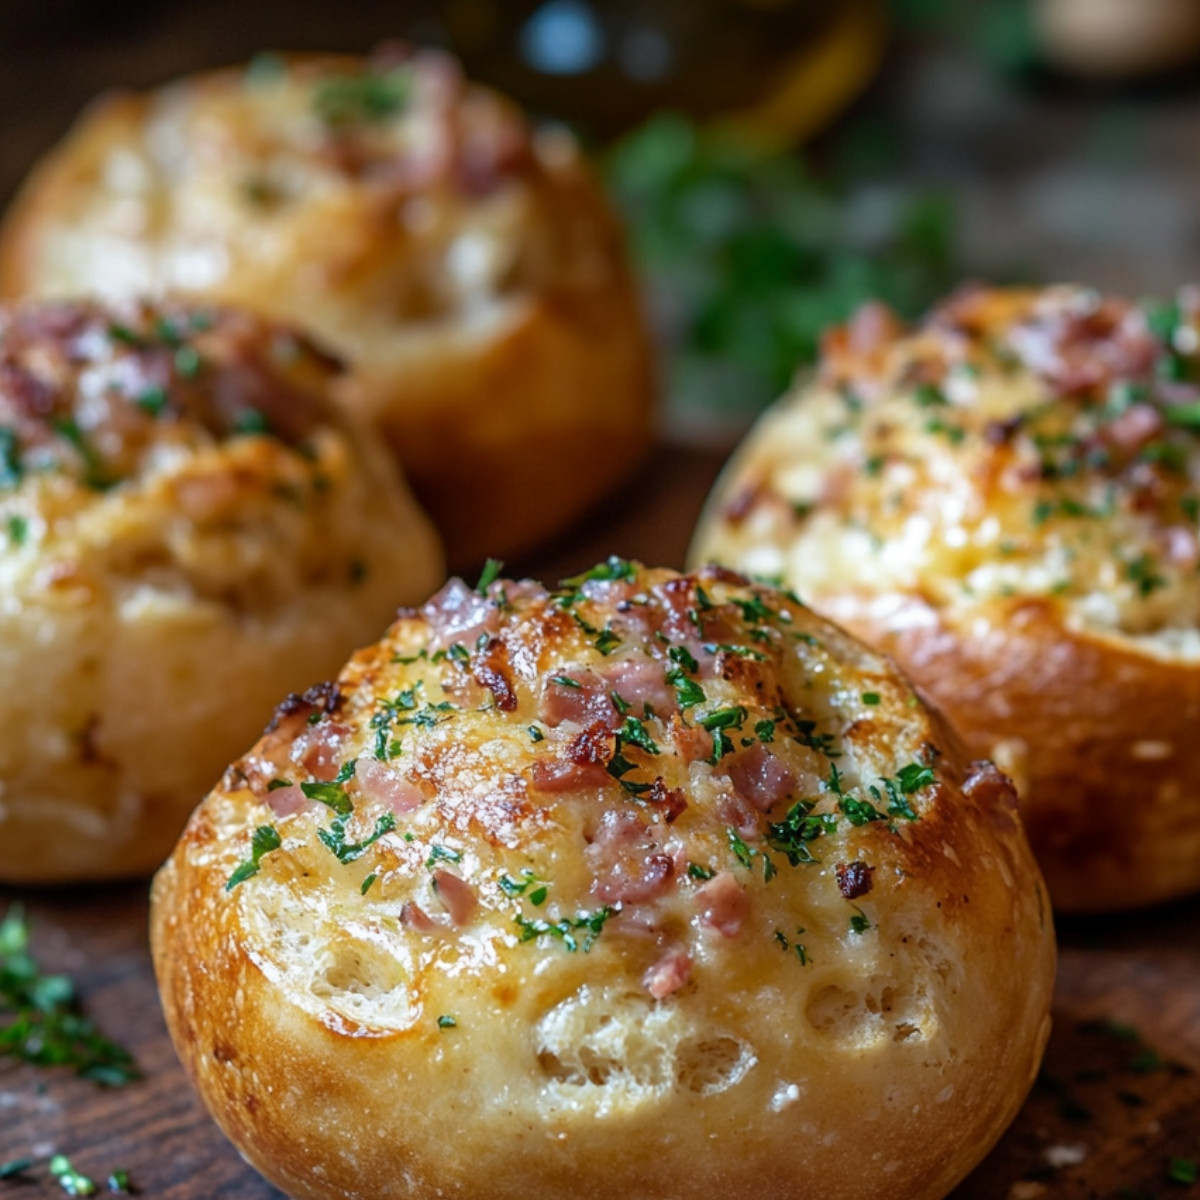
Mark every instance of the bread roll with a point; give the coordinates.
(469, 270)
(188, 526)
(647, 887)
(1006, 499)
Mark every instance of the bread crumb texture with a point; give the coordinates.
(1007, 498)
(613, 890)
(189, 525)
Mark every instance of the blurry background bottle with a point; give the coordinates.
(784, 67)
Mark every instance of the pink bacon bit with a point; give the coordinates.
(578, 695)
(640, 680)
(459, 614)
(456, 895)
(387, 787)
(761, 777)
(628, 865)
(724, 904)
(286, 801)
(665, 977)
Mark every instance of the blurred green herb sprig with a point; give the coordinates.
(748, 256)
(40, 1019)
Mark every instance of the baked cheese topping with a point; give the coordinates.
(183, 449)
(1015, 444)
(691, 777)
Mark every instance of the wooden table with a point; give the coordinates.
(1112, 1108)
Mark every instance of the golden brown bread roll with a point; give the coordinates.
(468, 269)
(649, 886)
(1006, 499)
(188, 525)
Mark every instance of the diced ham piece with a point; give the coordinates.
(628, 865)
(724, 904)
(562, 775)
(1134, 428)
(669, 974)
(585, 703)
(1181, 545)
(459, 614)
(457, 896)
(760, 777)
(692, 743)
(415, 917)
(640, 680)
(288, 800)
(1081, 342)
(318, 749)
(383, 784)
(737, 811)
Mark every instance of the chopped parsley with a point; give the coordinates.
(187, 362)
(1182, 1170)
(489, 575)
(250, 422)
(265, 839)
(510, 887)
(747, 854)
(871, 698)
(346, 852)
(718, 722)
(687, 691)
(859, 812)
(332, 795)
(152, 401)
(859, 922)
(40, 1019)
(796, 948)
(696, 871)
(344, 100)
(764, 730)
(1142, 574)
(70, 1180)
(791, 836)
(439, 853)
(445, 1021)
(565, 929)
(535, 734)
(18, 529)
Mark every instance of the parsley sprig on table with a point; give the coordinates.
(749, 256)
(40, 1019)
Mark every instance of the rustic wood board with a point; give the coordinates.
(1112, 1108)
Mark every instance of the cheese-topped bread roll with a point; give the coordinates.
(468, 269)
(1007, 499)
(188, 525)
(646, 887)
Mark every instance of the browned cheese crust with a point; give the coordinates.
(189, 525)
(1007, 499)
(652, 886)
(470, 271)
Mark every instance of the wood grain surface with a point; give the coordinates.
(1117, 1100)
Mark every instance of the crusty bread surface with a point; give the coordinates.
(1005, 498)
(467, 268)
(191, 526)
(650, 886)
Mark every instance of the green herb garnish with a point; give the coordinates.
(40, 1020)
(564, 930)
(265, 839)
